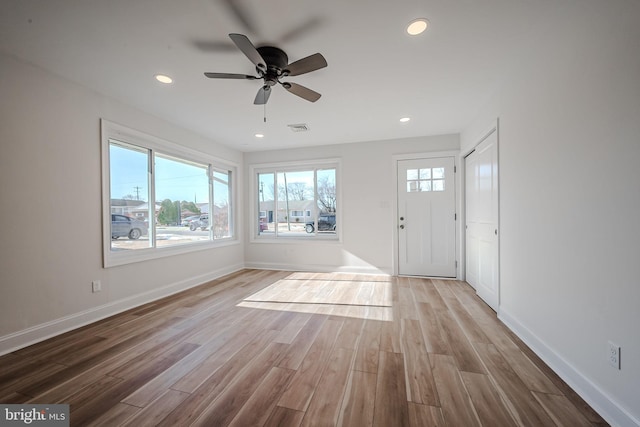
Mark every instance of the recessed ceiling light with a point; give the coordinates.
(417, 26)
(259, 135)
(405, 119)
(163, 79)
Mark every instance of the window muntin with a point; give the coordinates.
(425, 179)
(156, 185)
(291, 202)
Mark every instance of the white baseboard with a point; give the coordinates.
(318, 268)
(590, 392)
(34, 334)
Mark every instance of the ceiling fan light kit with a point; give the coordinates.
(272, 64)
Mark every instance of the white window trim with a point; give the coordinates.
(293, 166)
(110, 130)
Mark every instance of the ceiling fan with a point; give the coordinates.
(238, 10)
(272, 65)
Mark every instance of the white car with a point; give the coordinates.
(188, 220)
(202, 223)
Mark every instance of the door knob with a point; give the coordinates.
(401, 218)
(402, 227)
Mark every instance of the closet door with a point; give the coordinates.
(481, 228)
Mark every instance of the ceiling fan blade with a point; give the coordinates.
(240, 12)
(299, 30)
(263, 95)
(301, 91)
(250, 51)
(306, 65)
(230, 76)
(214, 46)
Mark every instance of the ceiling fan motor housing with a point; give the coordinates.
(275, 58)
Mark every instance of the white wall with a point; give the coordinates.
(368, 188)
(570, 198)
(51, 209)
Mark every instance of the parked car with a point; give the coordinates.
(326, 222)
(202, 223)
(122, 226)
(188, 220)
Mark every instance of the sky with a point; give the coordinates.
(175, 180)
(266, 181)
(188, 181)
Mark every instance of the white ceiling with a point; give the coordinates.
(376, 73)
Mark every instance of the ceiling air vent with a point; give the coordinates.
(300, 127)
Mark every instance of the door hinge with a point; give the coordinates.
(454, 169)
(456, 263)
(455, 216)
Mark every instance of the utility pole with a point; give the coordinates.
(137, 192)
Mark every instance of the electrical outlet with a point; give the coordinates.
(614, 355)
(96, 286)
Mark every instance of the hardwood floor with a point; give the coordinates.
(274, 348)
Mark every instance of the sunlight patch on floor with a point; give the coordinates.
(338, 294)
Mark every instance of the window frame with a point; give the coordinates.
(127, 136)
(293, 166)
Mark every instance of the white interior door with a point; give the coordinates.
(426, 217)
(481, 215)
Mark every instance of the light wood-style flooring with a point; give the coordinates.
(275, 348)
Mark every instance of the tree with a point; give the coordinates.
(326, 194)
(169, 212)
(297, 191)
(190, 206)
(220, 220)
(269, 191)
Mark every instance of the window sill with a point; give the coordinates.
(296, 239)
(114, 259)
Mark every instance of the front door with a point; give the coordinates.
(426, 217)
(481, 213)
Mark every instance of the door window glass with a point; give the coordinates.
(425, 179)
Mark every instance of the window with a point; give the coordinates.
(296, 201)
(160, 198)
(425, 179)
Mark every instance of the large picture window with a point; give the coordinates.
(161, 198)
(297, 201)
